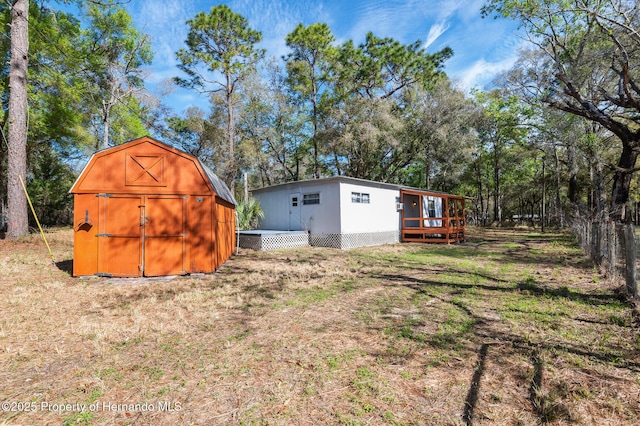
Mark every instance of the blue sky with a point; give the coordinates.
(482, 47)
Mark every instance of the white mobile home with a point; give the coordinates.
(346, 212)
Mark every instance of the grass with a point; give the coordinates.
(509, 328)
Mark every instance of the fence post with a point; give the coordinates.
(630, 254)
(595, 242)
(586, 244)
(611, 252)
(621, 252)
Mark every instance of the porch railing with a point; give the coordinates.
(452, 229)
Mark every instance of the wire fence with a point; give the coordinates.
(614, 247)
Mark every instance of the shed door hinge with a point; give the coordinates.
(104, 195)
(104, 235)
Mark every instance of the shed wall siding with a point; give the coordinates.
(85, 242)
(144, 208)
(201, 234)
(142, 169)
(225, 232)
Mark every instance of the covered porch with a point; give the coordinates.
(431, 217)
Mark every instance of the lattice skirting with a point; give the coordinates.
(347, 241)
(274, 241)
(271, 241)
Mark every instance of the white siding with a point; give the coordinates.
(336, 221)
(323, 218)
(379, 215)
(316, 218)
(275, 205)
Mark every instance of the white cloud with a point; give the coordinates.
(277, 19)
(481, 72)
(401, 20)
(482, 47)
(435, 31)
(469, 10)
(165, 22)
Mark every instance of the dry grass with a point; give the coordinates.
(510, 328)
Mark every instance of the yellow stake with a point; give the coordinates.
(37, 221)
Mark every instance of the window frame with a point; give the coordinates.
(360, 197)
(431, 208)
(311, 199)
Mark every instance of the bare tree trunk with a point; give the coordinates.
(559, 210)
(427, 175)
(543, 212)
(3, 183)
(622, 182)
(496, 204)
(497, 196)
(105, 124)
(595, 242)
(336, 160)
(316, 156)
(106, 109)
(611, 252)
(481, 199)
(572, 165)
(488, 198)
(231, 134)
(630, 261)
(601, 210)
(18, 219)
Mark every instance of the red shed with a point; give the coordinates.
(147, 209)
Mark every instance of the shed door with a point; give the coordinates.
(295, 222)
(119, 235)
(164, 247)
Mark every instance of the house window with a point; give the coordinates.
(358, 197)
(311, 199)
(432, 208)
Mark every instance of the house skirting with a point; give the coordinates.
(271, 240)
(353, 240)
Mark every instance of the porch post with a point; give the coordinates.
(445, 217)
